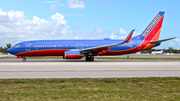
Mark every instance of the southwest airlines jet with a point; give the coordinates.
(76, 49)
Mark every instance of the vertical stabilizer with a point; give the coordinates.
(152, 31)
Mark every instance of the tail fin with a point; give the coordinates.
(152, 32)
(163, 50)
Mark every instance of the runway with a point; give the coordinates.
(101, 68)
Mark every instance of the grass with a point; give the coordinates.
(78, 89)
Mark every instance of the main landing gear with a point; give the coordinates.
(24, 59)
(89, 58)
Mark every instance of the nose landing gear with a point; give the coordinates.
(24, 59)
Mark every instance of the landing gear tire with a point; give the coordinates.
(91, 58)
(24, 59)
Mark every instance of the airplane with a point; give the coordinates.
(76, 49)
(158, 52)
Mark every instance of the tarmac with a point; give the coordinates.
(101, 68)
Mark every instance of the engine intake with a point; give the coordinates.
(73, 55)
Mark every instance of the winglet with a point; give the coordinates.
(128, 38)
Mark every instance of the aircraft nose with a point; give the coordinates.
(9, 50)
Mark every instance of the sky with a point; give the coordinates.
(23, 20)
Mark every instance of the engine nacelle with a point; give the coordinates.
(73, 55)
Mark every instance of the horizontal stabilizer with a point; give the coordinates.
(162, 40)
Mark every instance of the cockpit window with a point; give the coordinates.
(17, 46)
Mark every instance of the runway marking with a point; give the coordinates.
(141, 70)
(160, 70)
(16, 71)
(102, 70)
(86, 70)
(46, 59)
(60, 70)
(37, 71)
(79, 70)
(120, 70)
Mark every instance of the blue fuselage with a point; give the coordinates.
(30, 46)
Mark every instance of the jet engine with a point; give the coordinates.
(73, 55)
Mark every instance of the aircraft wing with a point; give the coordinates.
(162, 40)
(106, 47)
